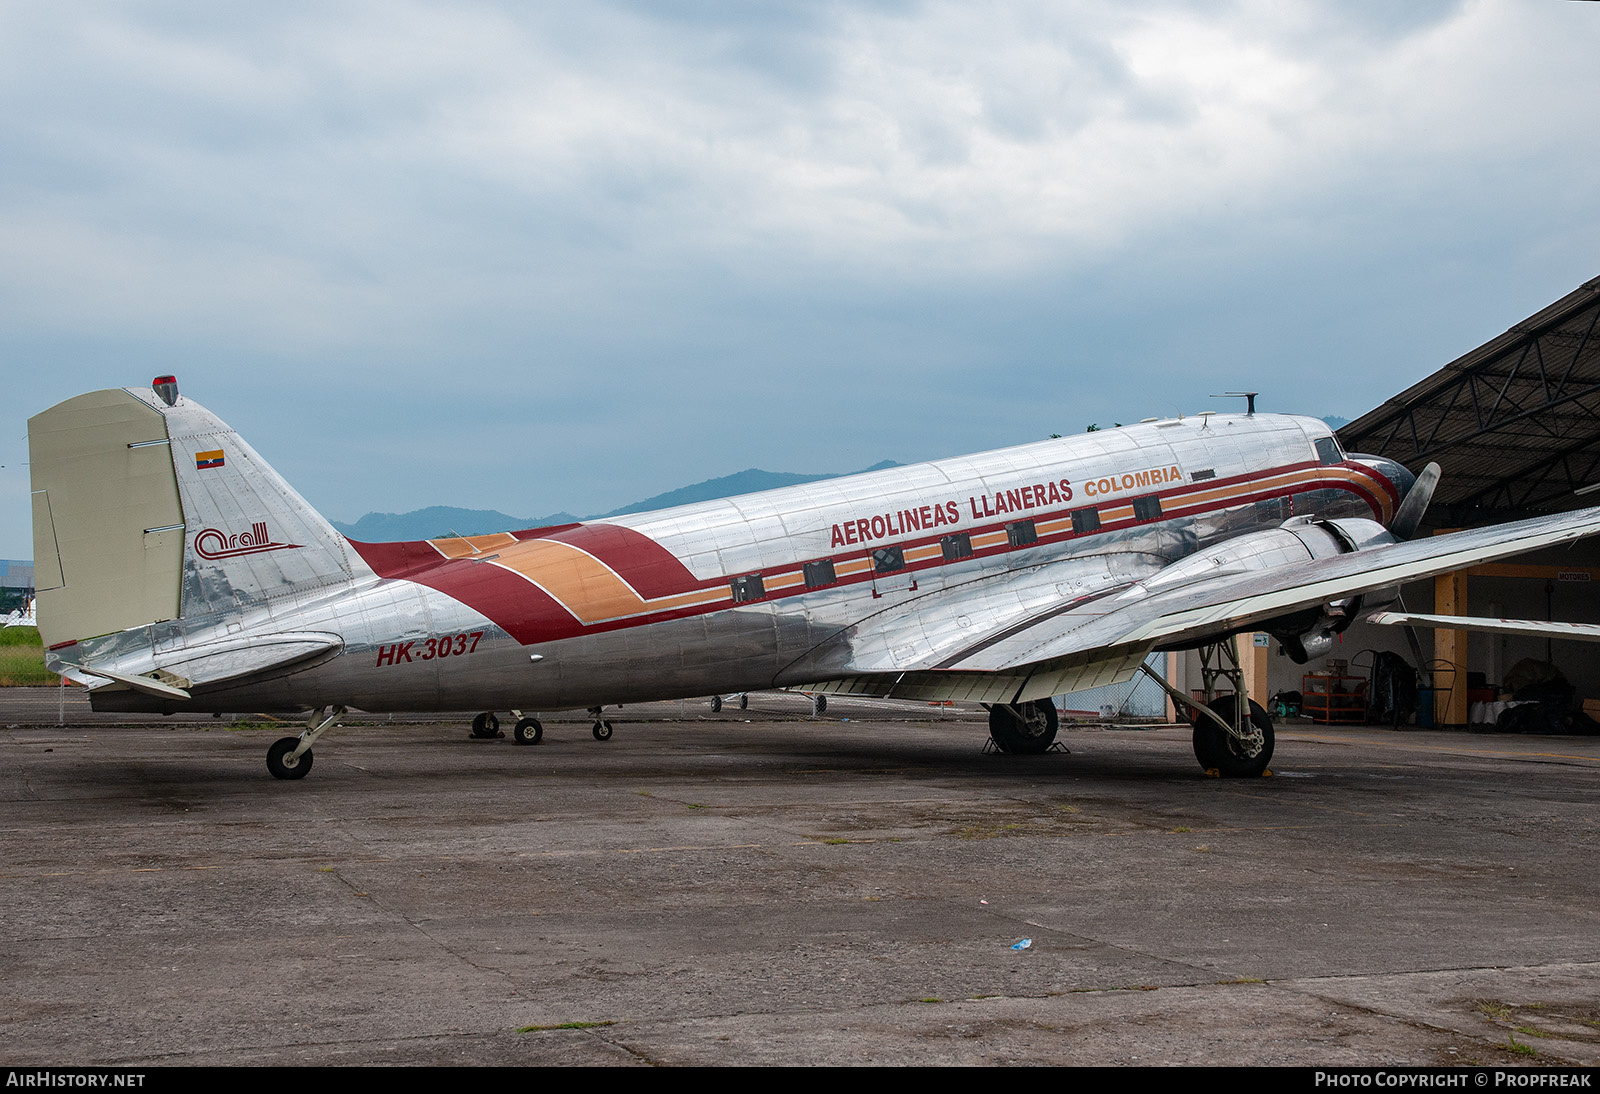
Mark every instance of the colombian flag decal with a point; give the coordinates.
(203, 460)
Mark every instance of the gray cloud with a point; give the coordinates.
(534, 259)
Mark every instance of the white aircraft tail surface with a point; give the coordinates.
(145, 512)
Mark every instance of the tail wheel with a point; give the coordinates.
(1220, 752)
(529, 731)
(1026, 728)
(279, 763)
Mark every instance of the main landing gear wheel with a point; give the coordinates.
(819, 704)
(1220, 752)
(529, 731)
(1026, 728)
(486, 727)
(744, 701)
(281, 766)
(716, 704)
(602, 730)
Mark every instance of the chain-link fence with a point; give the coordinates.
(1138, 699)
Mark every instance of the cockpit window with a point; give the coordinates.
(1328, 451)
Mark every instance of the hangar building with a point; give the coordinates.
(1515, 428)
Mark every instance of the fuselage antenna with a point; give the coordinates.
(1249, 398)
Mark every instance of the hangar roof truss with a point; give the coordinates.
(1514, 425)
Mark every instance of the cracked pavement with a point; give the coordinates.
(792, 890)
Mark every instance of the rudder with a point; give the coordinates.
(107, 520)
(154, 512)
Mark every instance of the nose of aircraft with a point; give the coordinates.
(1395, 472)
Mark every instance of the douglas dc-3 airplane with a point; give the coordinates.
(177, 571)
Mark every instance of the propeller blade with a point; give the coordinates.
(1409, 515)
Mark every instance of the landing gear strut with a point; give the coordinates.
(1228, 741)
(290, 757)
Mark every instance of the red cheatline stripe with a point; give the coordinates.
(529, 614)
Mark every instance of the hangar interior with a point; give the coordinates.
(1515, 428)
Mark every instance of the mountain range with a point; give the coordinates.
(444, 520)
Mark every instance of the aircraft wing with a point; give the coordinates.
(1038, 636)
(1528, 628)
(913, 650)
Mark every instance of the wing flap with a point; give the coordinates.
(1093, 669)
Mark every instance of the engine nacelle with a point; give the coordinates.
(1313, 633)
(1304, 634)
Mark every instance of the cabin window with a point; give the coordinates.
(1086, 520)
(748, 588)
(820, 573)
(886, 560)
(1147, 507)
(1328, 451)
(956, 545)
(1021, 533)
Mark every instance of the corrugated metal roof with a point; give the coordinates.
(1514, 425)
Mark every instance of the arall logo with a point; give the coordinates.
(214, 544)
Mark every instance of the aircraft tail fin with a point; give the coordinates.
(145, 512)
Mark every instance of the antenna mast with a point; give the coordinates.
(1249, 398)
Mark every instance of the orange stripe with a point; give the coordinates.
(588, 588)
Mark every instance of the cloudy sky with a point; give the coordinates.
(553, 257)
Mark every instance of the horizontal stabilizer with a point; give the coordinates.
(189, 667)
(1579, 632)
(215, 662)
(140, 683)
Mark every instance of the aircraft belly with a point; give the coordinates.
(700, 655)
(403, 667)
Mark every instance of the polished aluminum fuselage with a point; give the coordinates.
(1223, 476)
